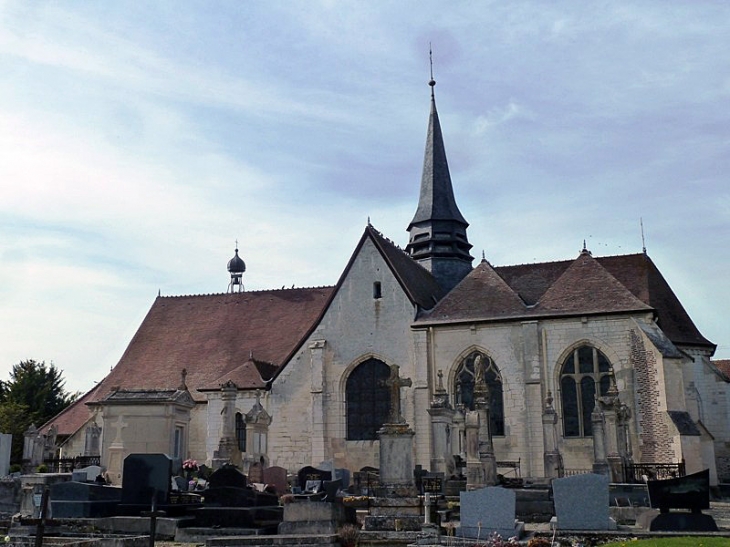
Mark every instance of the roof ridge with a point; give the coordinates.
(239, 294)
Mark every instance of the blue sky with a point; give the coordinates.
(139, 141)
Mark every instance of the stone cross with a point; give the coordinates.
(119, 425)
(395, 383)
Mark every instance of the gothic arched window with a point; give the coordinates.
(240, 432)
(464, 389)
(367, 400)
(584, 370)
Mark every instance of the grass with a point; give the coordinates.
(696, 541)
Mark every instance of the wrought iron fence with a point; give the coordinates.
(66, 465)
(575, 471)
(641, 472)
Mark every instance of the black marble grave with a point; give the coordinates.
(689, 492)
(147, 481)
(83, 500)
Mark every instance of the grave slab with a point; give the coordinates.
(581, 503)
(487, 511)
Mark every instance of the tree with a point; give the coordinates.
(34, 394)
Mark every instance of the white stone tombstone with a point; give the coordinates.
(581, 503)
(6, 442)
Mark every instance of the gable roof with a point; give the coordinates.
(418, 283)
(586, 285)
(240, 336)
(480, 294)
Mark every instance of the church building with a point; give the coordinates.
(590, 363)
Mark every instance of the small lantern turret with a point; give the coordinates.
(236, 267)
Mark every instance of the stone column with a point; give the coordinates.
(442, 416)
(624, 445)
(227, 447)
(552, 458)
(474, 470)
(610, 405)
(600, 465)
(481, 403)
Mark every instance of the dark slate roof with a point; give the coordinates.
(148, 396)
(436, 201)
(684, 423)
(660, 341)
(586, 285)
(418, 283)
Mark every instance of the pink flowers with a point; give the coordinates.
(190, 465)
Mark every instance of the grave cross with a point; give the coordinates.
(119, 425)
(395, 383)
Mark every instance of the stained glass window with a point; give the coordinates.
(240, 432)
(367, 401)
(578, 388)
(464, 389)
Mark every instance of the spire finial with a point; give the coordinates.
(484, 256)
(431, 82)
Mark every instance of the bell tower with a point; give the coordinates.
(438, 230)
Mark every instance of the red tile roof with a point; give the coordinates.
(585, 285)
(723, 365)
(244, 337)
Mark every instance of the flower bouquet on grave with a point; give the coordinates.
(190, 467)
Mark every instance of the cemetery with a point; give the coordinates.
(396, 503)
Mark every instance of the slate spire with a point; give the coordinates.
(438, 230)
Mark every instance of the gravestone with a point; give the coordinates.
(432, 483)
(256, 472)
(276, 478)
(227, 475)
(6, 441)
(581, 503)
(88, 473)
(311, 479)
(487, 511)
(366, 480)
(145, 476)
(83, 500)
(689, 492)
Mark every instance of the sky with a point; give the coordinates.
(141, 141)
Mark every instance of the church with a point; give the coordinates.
(590, 361)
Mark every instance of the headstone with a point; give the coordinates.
(6, 442)
(90, 472)
(366, 480)
(276, 478)
(343, 475)
(145, 476)
(689, 492)
(581, 503)
(330, 489)
(487, 511)
(256, 472)
(432, 483)
(228, 476)
(311, 477)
